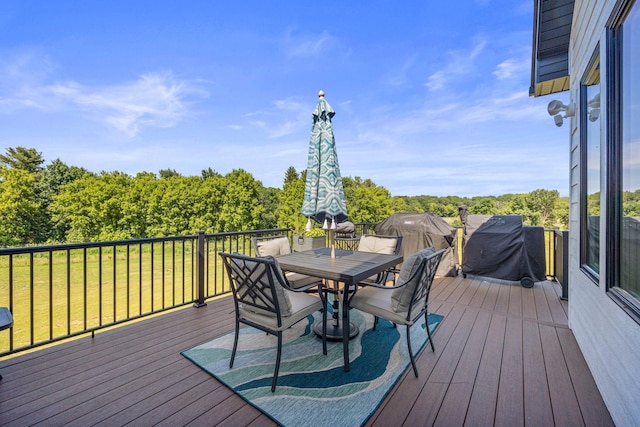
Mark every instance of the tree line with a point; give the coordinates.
(58, 203)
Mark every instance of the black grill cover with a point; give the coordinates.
(423, 230)
(500, 246)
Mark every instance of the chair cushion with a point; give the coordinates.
(297, 280)
(401, 297)
(380, 245)
(273, 247)
(302, 305)
(377, 301)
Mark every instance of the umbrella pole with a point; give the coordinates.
(332, 243)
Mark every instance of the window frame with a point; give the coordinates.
(588, 76)
(622, 298)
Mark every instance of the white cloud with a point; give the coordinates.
(154, 100)
(511, 68)
(22, 76)
(398, 77)
(459, 63)
(436, 81)
(306, 46)
(288, 117)
(291, 104)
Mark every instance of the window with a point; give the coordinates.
(623, 218)
(590, 168)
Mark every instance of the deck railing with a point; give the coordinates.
(58, 292)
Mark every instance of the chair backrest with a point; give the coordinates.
(415, 279)
(258, 285)
(271, 245)
(380, 244)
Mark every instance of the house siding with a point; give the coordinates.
(607, 336)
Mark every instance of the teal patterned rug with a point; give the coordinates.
(313, 389)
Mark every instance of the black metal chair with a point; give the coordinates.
(405, 303)
(6, 320)
(264, 300)
(383, 245)
(279, 245)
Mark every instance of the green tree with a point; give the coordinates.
(90, 208)
(209, 173)
(168, 173)
(366, 202)
(543, 203)
(26, 159)
(631, 203)
(561, 213)
(290, 175)
(172, 209)
(56, 175)
(269, 199)
(133, 222)
(290, 198)
(400, 204)
(30, 161)
(240, 208)
(483, 206)
(208, 204)
(19, 207)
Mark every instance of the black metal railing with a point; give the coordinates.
(57, 292)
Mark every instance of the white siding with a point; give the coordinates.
(608, 337)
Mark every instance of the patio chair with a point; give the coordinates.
(382, 245)
(6, 320)
(264, 300)
(405, 303)
(279, 245)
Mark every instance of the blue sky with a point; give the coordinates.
(431, 97)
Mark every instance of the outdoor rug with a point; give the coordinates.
(313, 389)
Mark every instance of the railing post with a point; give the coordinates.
(200, 274)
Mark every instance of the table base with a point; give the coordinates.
(334, 333)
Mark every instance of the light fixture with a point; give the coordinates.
(556, 108)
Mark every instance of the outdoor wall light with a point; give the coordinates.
(555, 108)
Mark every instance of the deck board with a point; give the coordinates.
(437, 385)
(566, 410)
(484, 397)
(456, 402)
(491, 298)
(510, 405)
(504, 355)
(536, 393)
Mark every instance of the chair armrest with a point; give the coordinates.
(6, 319)
(302, 288)
(379, 286)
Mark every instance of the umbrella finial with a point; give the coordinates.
(321, 94)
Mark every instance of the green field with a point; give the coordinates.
(67, 292)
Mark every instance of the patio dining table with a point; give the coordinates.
(347, 267)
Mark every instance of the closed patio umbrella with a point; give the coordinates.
(324, 198)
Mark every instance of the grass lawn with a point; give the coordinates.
(68, 291)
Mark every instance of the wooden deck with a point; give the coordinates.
(504, 356)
